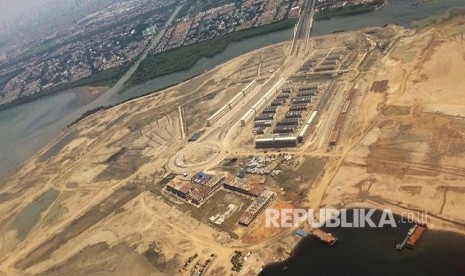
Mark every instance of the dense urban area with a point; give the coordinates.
(115, 36)
(100, 45)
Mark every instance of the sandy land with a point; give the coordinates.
(410, 156)
(92, 200)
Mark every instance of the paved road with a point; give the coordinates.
(306, 22)
(309, 27)
(119, 85)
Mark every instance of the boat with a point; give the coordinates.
(412, 236)
(402, 244)
(412, 229)
(416, 235)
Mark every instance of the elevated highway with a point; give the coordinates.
(304, 26)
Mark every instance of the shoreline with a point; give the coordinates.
(54, 90)
(417, 24)
(37, 154)
(442, 224)
(376, 5)
(174, 85)
(396, 211)
(73, 164)
(198, 50)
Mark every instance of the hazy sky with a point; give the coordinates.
(10, 9)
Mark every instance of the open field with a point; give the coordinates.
(410, 154)
(96, 198)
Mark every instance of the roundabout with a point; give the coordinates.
(196, 157)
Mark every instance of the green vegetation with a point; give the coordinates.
(5, 78)
(53, 44)
(237, 261)
(184, 10)
(436, 20)
(349, 10)
(179, 59)
(196, 6)
(41, 48)
(46, 46)
(101, 78)
(184, 57)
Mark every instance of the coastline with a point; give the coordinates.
(433, 223)
(173, 86)
(94, 80)
(119, 71)
(376, 5)
(84, 116)
(108, 124)
(437, 223)
(151, 67)
(68, 87)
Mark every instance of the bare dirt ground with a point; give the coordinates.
(402, 147)
(410, 131)
(103, 168)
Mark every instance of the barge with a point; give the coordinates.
(416, 235)
(324, 237)
(413, 236)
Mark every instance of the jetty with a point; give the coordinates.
(323, 236)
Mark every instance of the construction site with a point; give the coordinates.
(202, 186)
(177, 182)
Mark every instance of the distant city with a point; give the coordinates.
(88, 37)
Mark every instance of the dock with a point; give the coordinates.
(321, 235)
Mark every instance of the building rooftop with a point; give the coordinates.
(243, 184)
(182, 186)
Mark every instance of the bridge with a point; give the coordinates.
(305, 21)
